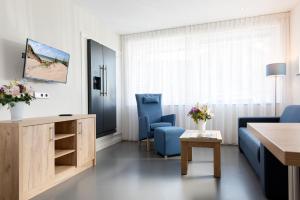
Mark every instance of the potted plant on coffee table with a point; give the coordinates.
(200, 114)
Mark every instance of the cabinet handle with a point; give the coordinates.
(102, 80)
(51, 134)
(105, 68)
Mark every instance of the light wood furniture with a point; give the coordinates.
(195, 138)
(39, 153)
(283, 141)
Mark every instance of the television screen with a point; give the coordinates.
(46, 63)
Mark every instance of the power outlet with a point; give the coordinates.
(41, 95)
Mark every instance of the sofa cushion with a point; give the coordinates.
(291, 114)
(251, 148)
(160, 124)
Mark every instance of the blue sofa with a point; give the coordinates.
(272, 173)
(150, 115)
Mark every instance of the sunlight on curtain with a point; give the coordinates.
(221, 64)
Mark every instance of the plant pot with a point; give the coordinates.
(17, 111)
(201, 125)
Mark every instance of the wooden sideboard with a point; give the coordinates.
(39, 153)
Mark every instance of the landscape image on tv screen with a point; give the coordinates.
(43, 62)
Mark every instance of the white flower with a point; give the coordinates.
(15, 91)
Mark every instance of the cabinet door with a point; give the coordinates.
(37, 156)
(109, 104)
(96, 78)
(86, 141)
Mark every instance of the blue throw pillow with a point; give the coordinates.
(151, 99)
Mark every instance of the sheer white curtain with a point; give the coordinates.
(221, 64)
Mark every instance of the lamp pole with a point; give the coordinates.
(276, 69)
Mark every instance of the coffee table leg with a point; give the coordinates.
(217, 160)
(184, 158)
(190, 154)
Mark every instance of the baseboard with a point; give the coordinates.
(108, 140)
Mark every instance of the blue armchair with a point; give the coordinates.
(273, 175)
(150, 115)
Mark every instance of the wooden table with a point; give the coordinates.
(196, 138)
(283, 141)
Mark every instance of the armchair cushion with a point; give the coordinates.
(151, 99)
(169, 118)
(152, 110)
(160, 124)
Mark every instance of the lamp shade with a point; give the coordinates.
(276, 69)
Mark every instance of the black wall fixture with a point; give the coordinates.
(102, 87)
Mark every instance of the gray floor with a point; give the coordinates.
(126, 171)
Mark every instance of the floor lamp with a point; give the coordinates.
(276, 69)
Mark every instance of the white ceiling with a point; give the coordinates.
(131, 16)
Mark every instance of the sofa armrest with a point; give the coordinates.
(242, 121)
(169, 118)
(144, 127)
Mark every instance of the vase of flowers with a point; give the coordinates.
(200, 114)
(16, 95)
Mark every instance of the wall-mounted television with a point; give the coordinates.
(45, 63)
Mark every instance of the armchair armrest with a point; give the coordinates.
(242, 121)
(169, 118)
(144, 127)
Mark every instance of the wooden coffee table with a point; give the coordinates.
(195, 138)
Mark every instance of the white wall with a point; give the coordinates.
(295, 53)
(61, 24)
